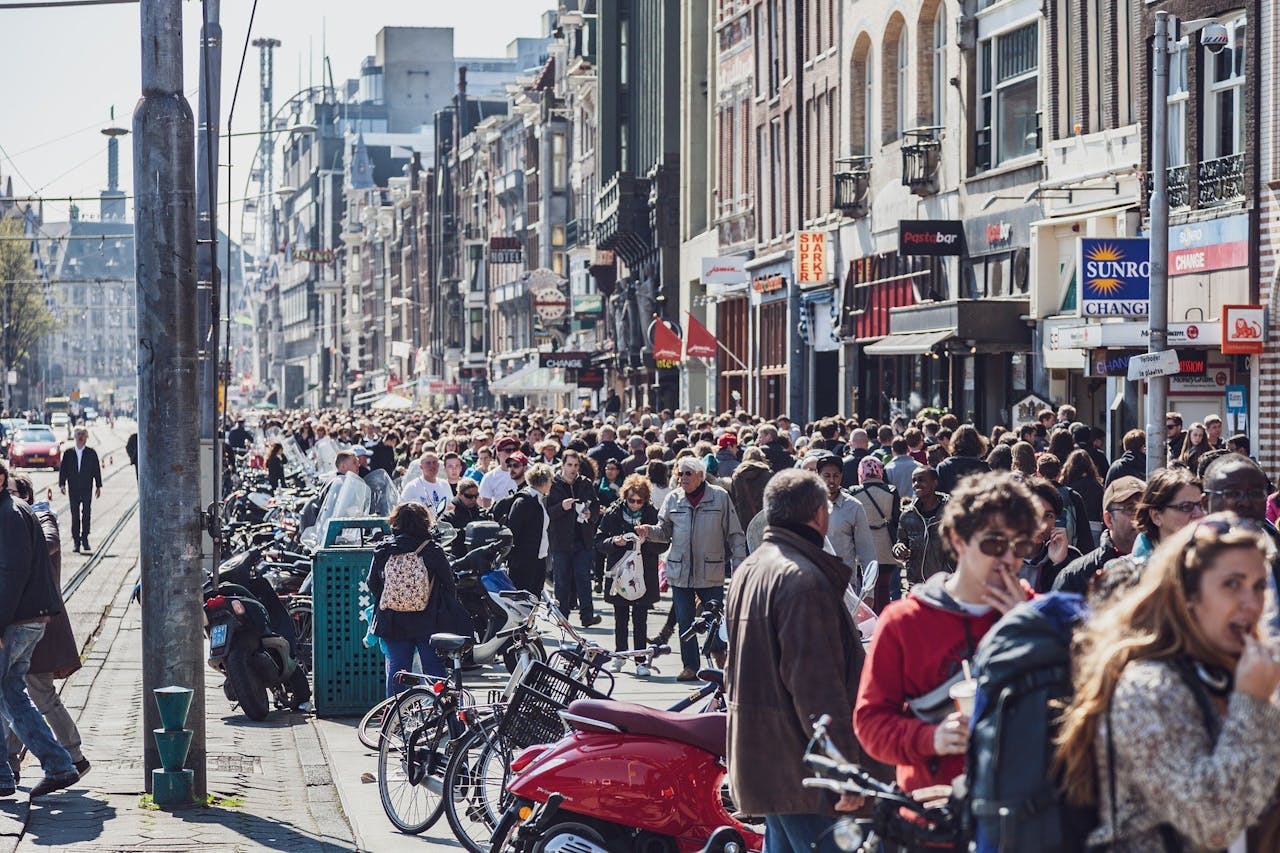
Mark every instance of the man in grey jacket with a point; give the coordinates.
(849, 531)
(699, 521)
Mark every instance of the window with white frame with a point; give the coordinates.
(1224, 107)
(1179, 99)
(868, 103)
(904, 70)
(939, 65)
(1009, 96)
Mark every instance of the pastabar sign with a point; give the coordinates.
(936, 237)
(1114, 276)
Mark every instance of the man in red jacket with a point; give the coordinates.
(904, 713)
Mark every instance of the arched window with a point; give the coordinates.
(904, 69)
(861, 98)
(894, 65)
(938, 115)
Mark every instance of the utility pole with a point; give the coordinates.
(1158, 317)
(168, 411)
(208, 283)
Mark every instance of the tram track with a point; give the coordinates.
(82, 573)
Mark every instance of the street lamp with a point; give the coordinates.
(1215, 37)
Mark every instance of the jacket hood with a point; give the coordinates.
(400, 543)
(752, 470)
(933, 593)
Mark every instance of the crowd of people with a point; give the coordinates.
(943, 530)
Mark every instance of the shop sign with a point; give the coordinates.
(550, 305)
(936, 237)
(506, 250)
(768, 283)
(1119, 335)
(724, 270)
(314, 256)
(1244, 329)
(570, 360)
(811, 257)
(588, 303)
(1116, 276)
(1212, 383)
(1208, 246)
(1236, 400)
(999, 235)
(1192, 362)
(1108, 362)
(592, 378)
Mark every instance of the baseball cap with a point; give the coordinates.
(361, 450)
(1122, 489)
(728, 440)
(518, 458)
(826, 457)
(507, 444)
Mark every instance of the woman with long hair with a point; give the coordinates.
(1172, 500)
(1024, 458)
(1196, 445)
(1079, 473)
(635, 507)
(968, 448)
(275, 465)
(1172, 732)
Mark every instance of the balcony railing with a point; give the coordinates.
(852, 181)
(921, 159)
(1220, 181)
(1179, 186)
(737, 227)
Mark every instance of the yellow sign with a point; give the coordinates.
(811, 257)
(75, 395)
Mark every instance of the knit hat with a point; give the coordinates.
(728, 440)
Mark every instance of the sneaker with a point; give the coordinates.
(49, 784)
(82, 766)
(642, 671)
(687, 675)
(616, 664)
(592, 622)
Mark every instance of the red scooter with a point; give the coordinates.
(628, 779)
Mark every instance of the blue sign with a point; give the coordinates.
(1236, 400)
(1115, 276)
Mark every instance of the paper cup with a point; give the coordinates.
(962, 693)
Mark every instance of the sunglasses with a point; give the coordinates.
(998, 546)
(635, 501)
(686, 473)
(470, 496)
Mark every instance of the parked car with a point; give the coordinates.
(8, 426)
(34, 447)
(59, 419)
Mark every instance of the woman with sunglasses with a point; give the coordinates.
(1172, 731)
(1173, 499)
(616, 536)
(904, 714)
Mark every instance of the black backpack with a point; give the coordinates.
(1023, 668)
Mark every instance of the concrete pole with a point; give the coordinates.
(208, 276)
(168, 422)
(1158, 318)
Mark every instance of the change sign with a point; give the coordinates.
(1115, 276)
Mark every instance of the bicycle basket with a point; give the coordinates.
(532, 716)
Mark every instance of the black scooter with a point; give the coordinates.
(252, 640)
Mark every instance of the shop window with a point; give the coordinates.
(1008, 96)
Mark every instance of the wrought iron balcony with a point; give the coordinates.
(852, 182)
(622, 224)
(1179, 186)
(921, 159)
(1220, 181)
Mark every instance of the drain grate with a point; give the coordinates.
(234, 763)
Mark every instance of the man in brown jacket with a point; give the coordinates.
(794, 655)
(56, 655)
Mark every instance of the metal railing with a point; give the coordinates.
(1220, 180)
(852, 181)
(921, 159)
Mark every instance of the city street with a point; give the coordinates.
(292, 782)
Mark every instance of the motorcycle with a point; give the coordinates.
(252, 640)
(628, 779)
(485, 589)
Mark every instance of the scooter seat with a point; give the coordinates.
(707, 732)
(450, 642)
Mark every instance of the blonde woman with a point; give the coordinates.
(1172, 733)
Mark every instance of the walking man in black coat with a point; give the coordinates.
(81, 472)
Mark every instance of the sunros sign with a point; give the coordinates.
(1114, 276)
(938, 237)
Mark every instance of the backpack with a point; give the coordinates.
(1023, 669)
(406, 585)
(1069, 512)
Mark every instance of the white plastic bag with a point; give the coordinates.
(628, 575)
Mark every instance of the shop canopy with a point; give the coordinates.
(392, 401)
(531, 379)
(910, 343)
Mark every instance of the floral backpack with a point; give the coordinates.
(406, 586)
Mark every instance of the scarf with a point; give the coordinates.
(631, 518)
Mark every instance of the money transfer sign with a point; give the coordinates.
(1114, 276)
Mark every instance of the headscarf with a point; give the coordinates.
(870, 468)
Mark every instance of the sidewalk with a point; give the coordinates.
(348, 759)
(271, 786)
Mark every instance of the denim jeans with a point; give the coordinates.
(682, 599)
(795, 833)
(400, 657)
(571, 577)
(16, 709)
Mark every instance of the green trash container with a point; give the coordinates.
(349, 678)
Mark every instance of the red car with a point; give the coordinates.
(35, 447)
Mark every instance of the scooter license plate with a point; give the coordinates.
(218, 637)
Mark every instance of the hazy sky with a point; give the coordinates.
(63, 70)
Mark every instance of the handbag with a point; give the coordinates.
(628, 575)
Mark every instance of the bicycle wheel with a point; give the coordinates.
(370, 730)
(475, 782)
(411, 761)
(300, 613)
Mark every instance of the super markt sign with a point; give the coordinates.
(1115, 276)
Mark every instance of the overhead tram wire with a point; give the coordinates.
(55, 4)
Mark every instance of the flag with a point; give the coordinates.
(666, 343)
(701, 343)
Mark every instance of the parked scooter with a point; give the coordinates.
(629, 779)
(251, 639)
(497, 608)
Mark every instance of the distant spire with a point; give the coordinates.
(361, 166)
(112, 199)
